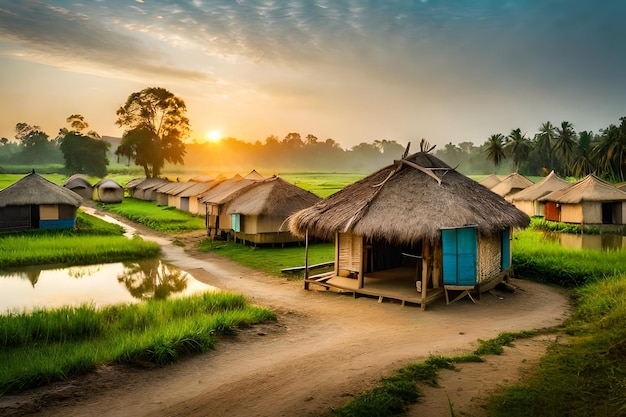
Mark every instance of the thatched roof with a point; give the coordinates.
(107, 183)
(225, 191)
(35, 189)
(512, 183)
(412, 199)
(271, 197)
(134, 183)
(490, 181)
(150, 183)
(254, 175)
(174, 188)
(544, 187)
(590, 188)
(77, 181)
(199, 188)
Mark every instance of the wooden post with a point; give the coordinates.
(425, 266)
(306, 259)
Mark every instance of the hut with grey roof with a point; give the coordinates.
(80, 185)
(413, 231)
(108, 191)
(33, 202)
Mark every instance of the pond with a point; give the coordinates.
(104, 284)
(605, 241)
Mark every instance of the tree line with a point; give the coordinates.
(156, 128)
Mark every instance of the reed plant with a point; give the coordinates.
(46, 345)
(165, 219)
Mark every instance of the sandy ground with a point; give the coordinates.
(324, 349)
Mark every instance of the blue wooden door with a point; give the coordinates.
(506, 248)
(459, 256)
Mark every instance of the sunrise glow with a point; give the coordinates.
(213, 136)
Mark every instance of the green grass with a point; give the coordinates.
(321, 184)
(94, 241)
(585, 375)
(540, 259)
(267, 259)
(49, 345)
(165, 219)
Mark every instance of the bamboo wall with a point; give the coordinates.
(350, 252)
(489, 257)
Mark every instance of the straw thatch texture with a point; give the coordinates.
(590, 188)
(254, 175)
(223, 192)
(33, 189)
(544, 187)
(271, 197)
(513, 183)
(402, 204)
(491, 181)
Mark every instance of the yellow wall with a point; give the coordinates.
(573, 213)
(48, 212)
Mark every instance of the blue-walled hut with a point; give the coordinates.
(33, 202)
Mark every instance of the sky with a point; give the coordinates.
(351, 70)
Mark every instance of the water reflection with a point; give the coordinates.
(53, 286)
(152, 279)
(605, 241)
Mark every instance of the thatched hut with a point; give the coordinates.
(258, 213)
(80, 185)
(527, 199)
(108, 191)
(511, 184)
(491, 181)
(590, 201)
(144, 188)
(413, 231)
(217, 221)
(166, 195)
(189, 199)
(33, 202)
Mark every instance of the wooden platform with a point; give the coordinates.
(396, 284)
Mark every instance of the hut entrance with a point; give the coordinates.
(611, 213)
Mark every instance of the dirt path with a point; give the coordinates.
(325, 348)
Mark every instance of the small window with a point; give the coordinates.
(235, 221)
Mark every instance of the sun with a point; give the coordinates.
(213, 136)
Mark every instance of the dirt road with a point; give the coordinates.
(324, 349)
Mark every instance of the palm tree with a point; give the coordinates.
(565, 145)
(611, 151)
(495, 149)
(544, 143)
(517, 147)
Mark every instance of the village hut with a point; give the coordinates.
(527, 200)
(33, 202)
(108, 191)
(511, 184)
(413, 231)
(145, 188)
(254, 175)
(80, 185)
(189, 199)
(258, 213)
(491, 181)
(217, 221)
(166, 195)
(590, 201)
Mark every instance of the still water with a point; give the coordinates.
(605, 242)
(104, 284)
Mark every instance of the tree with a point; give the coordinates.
(611, 151)
(495, 149)
(517, 147)
(35, 147)
(156, 126)
(544, 143)
(83, 154)
(565, 146)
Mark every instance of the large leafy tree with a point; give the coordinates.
(156, 125)
(83, 153)
(35, 146)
